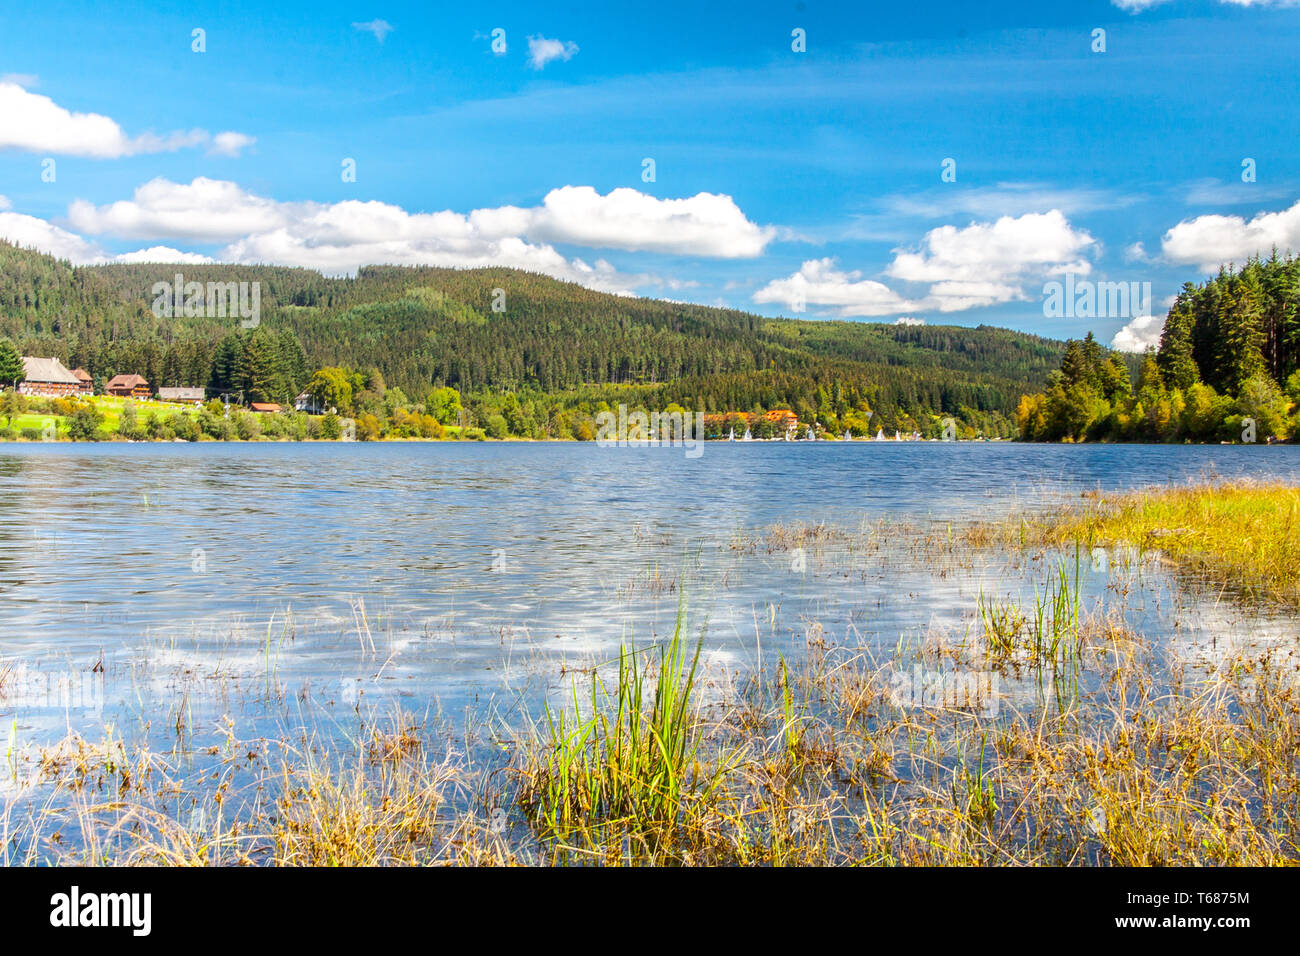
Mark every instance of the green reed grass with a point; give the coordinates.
(628, 763)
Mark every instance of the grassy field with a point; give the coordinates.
(109, 406)
(34, 423)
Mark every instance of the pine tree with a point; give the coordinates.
(11, 365)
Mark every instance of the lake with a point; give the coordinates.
(148, 587)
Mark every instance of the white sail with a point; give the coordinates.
(880, 435)
(731, 436)
(847, 436)
(748, 436)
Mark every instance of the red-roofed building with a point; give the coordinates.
(128, 386)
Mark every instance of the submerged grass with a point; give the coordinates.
(1244, 535)
(817, 759)
(820, 763)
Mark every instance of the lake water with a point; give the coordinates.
(286, 583)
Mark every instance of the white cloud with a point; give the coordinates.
(908, 320)
(4, 203)
(705, 224)
(1134, 6)
(987, 263)
(1003, 199)
(819, 283)
(231, 144)
(27, 80)
(337, 238)
(215, 210)
(1210, 241)
(33, 233)
(1141, 333)
(164, 254)
(378, 28)
(542, 51)
(205, 209)
(37, 124)
(982, 264)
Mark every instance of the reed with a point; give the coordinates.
(628, 765)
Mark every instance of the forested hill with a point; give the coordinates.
(426, 327)
(1228, 369)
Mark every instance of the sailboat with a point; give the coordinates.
(731, 435)
(897, 436)
(811, 435)
(748, 436)
(880, 435)
(847, 436)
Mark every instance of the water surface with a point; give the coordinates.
(274, 583)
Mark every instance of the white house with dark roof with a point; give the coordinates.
(48, 376)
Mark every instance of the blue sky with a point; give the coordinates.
(787, 183)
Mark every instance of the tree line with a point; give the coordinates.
(1227, 369)
(504, 338)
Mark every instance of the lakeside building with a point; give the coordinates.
(184, 394)
(48, 377)
(86, 380)
(266, 408)
(128, 386)
(309, 403)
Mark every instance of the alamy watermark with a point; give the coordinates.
(1085, 299)
(57, 692)
(945, 690)
(215, 300)
(639, 430)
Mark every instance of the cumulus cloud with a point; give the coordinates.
(379, 29)
(33, 233)
(908, 320)
(337, 238)
(215, 210)
(819, 283)
(36, 123)
(205, 210)
(164, 254)
(27, 80)
(985, 263)
(1209, 241)
(1141, 333)
(542, 51)
(705, 224)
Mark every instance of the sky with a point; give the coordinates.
(943, 163)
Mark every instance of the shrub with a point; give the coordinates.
(84, 422)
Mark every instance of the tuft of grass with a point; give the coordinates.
(1050, 637)
(627, 765)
